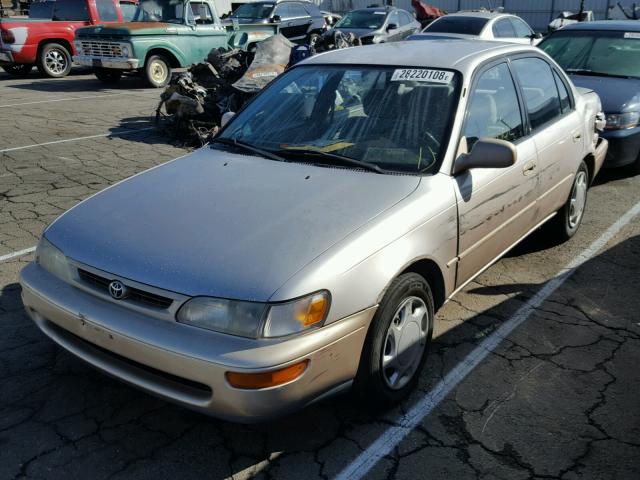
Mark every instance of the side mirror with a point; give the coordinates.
(392, 26)
(226, 117)
(487, 153)
(276, 19)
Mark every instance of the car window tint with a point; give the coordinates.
(494, 111)
(41, 10)
(71, 10)
(106, 10)
(128, 11)
(521, 29)
(405, 18)
(565, 101)
(503, 29)
(461, 24)
(540, 92)
(283, 10)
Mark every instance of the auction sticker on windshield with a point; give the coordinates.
(422, 75)
(635, 35)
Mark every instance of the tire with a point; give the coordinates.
(635, 166)
(566, 223)
(110, 77)
(379, 379)
(18, 69)
(54, 60)
(157, 71)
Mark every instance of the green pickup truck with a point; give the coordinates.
(163, 35)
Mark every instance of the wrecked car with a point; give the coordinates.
(164, 34)
(307, 248)
(377, 25)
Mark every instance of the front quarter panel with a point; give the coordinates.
(358, 270)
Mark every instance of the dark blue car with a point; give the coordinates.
(605, 57)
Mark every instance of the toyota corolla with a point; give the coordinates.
(307, 248)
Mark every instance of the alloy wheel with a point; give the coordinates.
(55, 61)
(578, 199)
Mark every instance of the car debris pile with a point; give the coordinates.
(195, 101)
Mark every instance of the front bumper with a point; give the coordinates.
(6, 58)
(187, 365)
(117, 63)
(624, 147)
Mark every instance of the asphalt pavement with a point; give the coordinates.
(533, 372)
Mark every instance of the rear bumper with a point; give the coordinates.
(187, 365)
(624, 147)
(107, 62)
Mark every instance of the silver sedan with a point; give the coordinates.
(306, 250)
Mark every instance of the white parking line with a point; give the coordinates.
(113, 134)
(65, 99)
(19, 253)
(359, 467)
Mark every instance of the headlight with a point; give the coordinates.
(621, 121)
(254, 320)
(52, 260)
(125, 51)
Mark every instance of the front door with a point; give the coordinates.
(206, 32)
(496, 207)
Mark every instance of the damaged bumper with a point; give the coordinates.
(107, 62)
(188, 365)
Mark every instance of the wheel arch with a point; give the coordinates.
(590, 161)
(165, 52)
(62, 41)
(431, 272)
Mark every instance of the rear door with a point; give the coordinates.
(301, 20)
(496, 207)
(287, 25)
(556, 128)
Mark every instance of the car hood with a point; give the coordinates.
(221, 224)
(129, 28)
(616, 94)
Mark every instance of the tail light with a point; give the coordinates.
(7, 36)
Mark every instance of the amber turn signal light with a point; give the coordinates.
(253, 381)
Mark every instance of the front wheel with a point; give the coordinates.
(54, 60)
(18, 69)
(568, 219)
(157, 71)
(107, 76)
(397, 342)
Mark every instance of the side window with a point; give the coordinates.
(283, 11)
(201, 13)
(128, 11)
(107, 10)
(540, 92)
(493, 110)
(393, 18)
(565, 99)
(503, 29)
(522, 29)
(297, 10)
(70, 11)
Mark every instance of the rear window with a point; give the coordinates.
(70, 11)
(453, 24)
(41, 10)
(107, 10)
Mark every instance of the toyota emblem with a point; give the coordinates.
(117, 290)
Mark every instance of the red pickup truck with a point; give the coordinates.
(48, 43)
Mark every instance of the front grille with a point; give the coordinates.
(101, 49)
(134, 294)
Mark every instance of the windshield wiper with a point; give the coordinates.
(584, 71)
(334, 158)
(237, 143)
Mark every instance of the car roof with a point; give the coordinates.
(479, 14)
(451, 53)
(628, 25)
(375, 9)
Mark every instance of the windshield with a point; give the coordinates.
(392, 118)
(170, 11)
(452, 24)
(369, 19)
(253, 10)
(601, 52)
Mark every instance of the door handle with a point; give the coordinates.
(577, 136)
(529, 168)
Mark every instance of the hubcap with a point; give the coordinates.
(158, 71)
(578, 199)
(55, 61)
(405, 342)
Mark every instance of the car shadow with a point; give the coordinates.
(76, 82)
(607, 175)
(150, 435)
